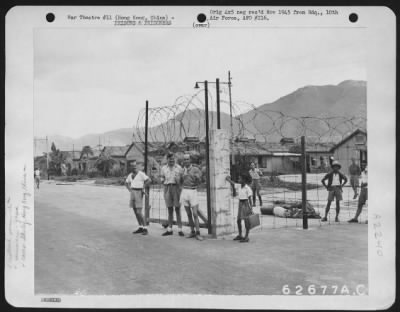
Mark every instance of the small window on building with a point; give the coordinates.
(313, 161)
(262, 162)
(360, 139)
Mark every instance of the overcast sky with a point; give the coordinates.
(96, 80)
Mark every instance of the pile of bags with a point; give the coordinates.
(289, 209)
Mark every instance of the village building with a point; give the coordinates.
(71, 161)
(136, 150)
(317, 155)
(40, 162)
(117, 156)
(352, 146)
(87, 161)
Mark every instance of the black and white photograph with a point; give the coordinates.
(204, 156)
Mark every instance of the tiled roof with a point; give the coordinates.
(117, 151)
(72, 154)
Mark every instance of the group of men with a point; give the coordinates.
(180, 188)
(334, 182)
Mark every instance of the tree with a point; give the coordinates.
(56, 159)
(87, 150)
(53, 147)
(104, 163)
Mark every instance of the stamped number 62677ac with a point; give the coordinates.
(324, 290)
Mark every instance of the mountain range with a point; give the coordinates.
(322, 111)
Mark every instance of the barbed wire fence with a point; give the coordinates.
(270, 139)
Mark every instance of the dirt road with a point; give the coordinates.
(84, 245)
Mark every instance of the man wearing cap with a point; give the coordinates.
(363, 194)
(191, 179)
(171, 178)
(136, 183)
(355, 172)
(336, 180)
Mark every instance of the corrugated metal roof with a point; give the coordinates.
(249, 148)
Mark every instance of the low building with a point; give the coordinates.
(40, 162)
(271, 158)
(318, 156)
(352, 146)
(87, 162)
(136, 150)
(117, 154)
(71, 161)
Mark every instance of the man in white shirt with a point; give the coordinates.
(136, 183)
(362, 199)
(171, 175)
(37, 177)
(191, 179)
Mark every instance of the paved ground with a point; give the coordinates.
(84, 245)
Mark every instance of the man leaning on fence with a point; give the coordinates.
(171, 178)
(355, 172)
(191, 179)
(336, 180)
(136, 183)
(363, 194)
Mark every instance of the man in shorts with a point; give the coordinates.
(255, 175)
(171, 178)
(355, 172)
(191, 179)
(336, 180)
(362, 199)
(136, 183)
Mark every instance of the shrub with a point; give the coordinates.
(116, 172)
(74, 171)
(92, 173)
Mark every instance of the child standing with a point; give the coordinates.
(244, 193)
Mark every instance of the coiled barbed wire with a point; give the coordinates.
(186, 118)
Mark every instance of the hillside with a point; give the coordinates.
(330, 106)
(345, 100)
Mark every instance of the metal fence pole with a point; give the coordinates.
(304, 182)
(207, 160)
(147, 199)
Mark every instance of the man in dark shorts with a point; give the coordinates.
(355, 172)
(336, 180)
(171, 177)
(362, 199)
(136, 183)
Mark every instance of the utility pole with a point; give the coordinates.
(230, 100)
(47, 155)
(218, 106)
(232, 158)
